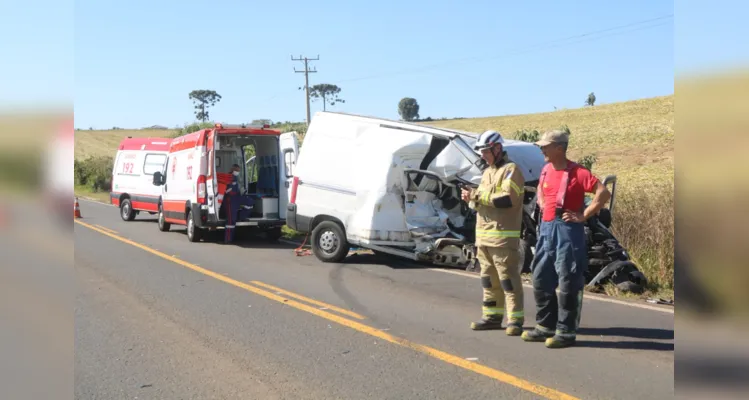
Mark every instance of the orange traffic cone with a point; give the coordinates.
(77, 209)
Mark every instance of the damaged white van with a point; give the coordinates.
(392, 187)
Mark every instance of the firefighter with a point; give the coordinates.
(231, 204)
(499, 204)
(561, 257)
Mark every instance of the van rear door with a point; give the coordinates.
(288, 150)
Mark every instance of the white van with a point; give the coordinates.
(193, 180)
(136, 161)
(392, 187)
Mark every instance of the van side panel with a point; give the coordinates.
(327, 172)
(183, 168)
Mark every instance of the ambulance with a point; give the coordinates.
(136, 161)
(198, 168)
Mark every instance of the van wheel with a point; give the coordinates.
(126, 210)
(163, 225)
(329, 242)
(193, 232)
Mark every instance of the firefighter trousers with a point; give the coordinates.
(561, 260)
(500, 280)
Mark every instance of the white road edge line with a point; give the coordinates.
(590, 297)
(466, 274)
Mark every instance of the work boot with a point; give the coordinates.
(487, 324)
(559, 342)
(536, 335)
(514, 329)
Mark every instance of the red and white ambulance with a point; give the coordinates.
(136, 161)
(199, 166)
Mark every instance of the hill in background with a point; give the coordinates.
(633, 139)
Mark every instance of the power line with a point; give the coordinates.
(583, 37)
(306, 72)
(526, 49)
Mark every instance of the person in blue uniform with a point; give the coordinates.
(234, 203)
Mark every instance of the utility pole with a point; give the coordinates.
(306, 77)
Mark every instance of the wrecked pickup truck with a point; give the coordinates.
(394, 188)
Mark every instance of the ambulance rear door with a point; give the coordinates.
(288, 152)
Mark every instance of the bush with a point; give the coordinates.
(643, 222)
(527, 135)
(95, 173)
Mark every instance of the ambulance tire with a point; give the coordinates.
(126, 210)
(329, 242)
(194, 234)
(163, 225)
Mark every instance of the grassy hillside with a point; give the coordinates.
(634, 139)
(104, 143)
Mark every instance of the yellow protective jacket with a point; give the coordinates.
(499, 204)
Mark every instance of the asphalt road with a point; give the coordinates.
(159, 317)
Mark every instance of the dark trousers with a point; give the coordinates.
(561, 260)
(232, 206)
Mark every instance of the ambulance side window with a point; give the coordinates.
(153, 162)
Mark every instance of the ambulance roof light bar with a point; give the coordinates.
(227, 126)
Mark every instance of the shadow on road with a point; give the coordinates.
(382, 259)
(638, 333)
(626, 345)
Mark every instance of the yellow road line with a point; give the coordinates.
(106, 229)
(438, 354)
(308, 300)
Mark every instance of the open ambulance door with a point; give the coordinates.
(289, 151)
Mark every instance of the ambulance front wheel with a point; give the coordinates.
(329, 242)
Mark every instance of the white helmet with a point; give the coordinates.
(487, 140)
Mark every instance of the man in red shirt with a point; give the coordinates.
(561, 258)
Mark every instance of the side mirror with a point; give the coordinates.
(157, 178)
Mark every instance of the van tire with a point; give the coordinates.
(126, 210)
(329, 242)
(194, 233)
(163, 225)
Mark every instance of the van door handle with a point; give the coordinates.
(165, 187)
(286, 184)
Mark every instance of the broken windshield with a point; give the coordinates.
(467, 151)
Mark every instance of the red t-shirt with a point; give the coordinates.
(581, 181)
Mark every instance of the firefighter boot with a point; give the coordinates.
(538, 334)
(514, 328)
(487, 323)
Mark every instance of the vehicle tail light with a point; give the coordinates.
(294, 185)
(201, 189)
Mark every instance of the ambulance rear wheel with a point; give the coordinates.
(163, 225)
(126, 210)
(193, 232)
(329, 242)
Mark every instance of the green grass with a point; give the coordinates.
(634, 139)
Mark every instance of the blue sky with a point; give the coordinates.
(135, 62)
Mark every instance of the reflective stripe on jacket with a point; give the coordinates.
(499, 226)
